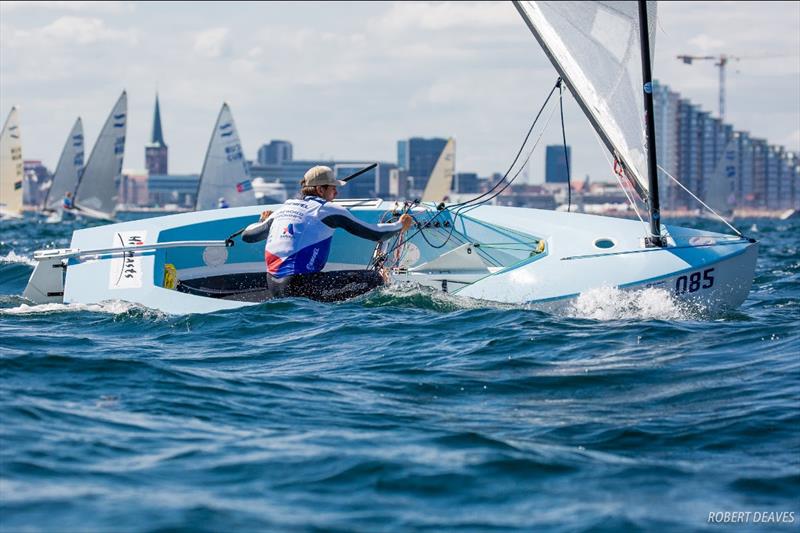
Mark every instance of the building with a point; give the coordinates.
(133, 188)
(466, 183)
(417, 156)
(173, 189)
(156, 151)
(556, 167)
(275, 153)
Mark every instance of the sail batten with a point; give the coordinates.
(68, 169)
(595, 48)
(97, 188)
(225, 174)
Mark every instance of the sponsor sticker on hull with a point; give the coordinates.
(126, 270)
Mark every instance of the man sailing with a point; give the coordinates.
(299, 237)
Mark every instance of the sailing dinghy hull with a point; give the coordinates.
(541, 259)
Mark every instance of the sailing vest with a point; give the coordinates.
(300, 234)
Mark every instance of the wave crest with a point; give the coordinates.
(611, 303)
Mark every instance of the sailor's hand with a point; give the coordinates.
(407, 221)
(264, 216)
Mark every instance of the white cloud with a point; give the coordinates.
(212, 43)
(65, 31)
(403, 16)
(76, 6)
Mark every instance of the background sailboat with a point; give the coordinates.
(96, 195)
(11, 168)
(68, 170)
(441, 180)
(225, 173)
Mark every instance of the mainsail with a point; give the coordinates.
(11, 167)
(595, 48)
(97, 191)
(69, 168)
(225, 173)
(441, 179)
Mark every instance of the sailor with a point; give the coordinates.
(222, 203)
(68, 203)
(299, 238)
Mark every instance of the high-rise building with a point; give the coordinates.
(420, 157)
(275, 153)
(156, 151)
(555, 164)
(466, 182)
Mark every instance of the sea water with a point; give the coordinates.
(402, 410)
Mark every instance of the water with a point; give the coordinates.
(399, 411)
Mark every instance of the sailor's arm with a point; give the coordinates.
(342, 218)
(258, 231)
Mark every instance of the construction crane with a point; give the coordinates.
(721, 61)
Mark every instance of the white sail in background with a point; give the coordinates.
(11, 167)
(721, 189)
(225, 173)
(595, 47)
(96, 195)
(69, 168)
(441, 180)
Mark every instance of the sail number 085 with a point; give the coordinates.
(695, 281)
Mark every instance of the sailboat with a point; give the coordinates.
(192, 262)
(68, 172)
(11, 168)
(96, 193)
(225, 177)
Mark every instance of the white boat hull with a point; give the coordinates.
(564, 259)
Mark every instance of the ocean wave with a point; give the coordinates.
(114, 307)
(12, 257)
(611, 303)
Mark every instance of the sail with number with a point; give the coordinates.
(225, 176)
(69, 168)
(441, 179)
(96, 195)
(721, 189)
(11, 167)
(595, 47)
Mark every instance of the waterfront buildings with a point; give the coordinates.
(275, 153)
(417, 156)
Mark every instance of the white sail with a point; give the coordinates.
(11, 167)
(69, 168)
(441, 179)
(225, 173)
(721, 189)
(96, 195)
(595, 47)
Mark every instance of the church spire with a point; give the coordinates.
(157, 137)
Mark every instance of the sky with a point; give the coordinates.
(348, 80)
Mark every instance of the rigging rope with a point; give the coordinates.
(564, 139)
(739, 233)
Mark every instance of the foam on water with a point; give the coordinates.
(12, 257)
(114, 307)
(611, 303)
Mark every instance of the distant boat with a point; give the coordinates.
(721, 190)
(225, 175)
(11, 168)
(96, 195)
(68, 170)
(269, 192)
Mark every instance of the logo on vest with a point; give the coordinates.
(310, 265)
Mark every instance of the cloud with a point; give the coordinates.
(212, 43)
(403, 16)
(77, 6)
(68, 30)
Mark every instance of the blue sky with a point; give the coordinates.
(347, 80)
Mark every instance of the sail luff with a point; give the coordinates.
(96, 193)
(587, 24)
(441, 178)
(11, 166)
(225, 174)
(68, 169)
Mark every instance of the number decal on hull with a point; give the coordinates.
(695, 281)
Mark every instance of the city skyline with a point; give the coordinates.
(348, 81)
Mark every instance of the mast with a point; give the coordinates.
(655, 239)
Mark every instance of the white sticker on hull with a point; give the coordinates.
(126, 271)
